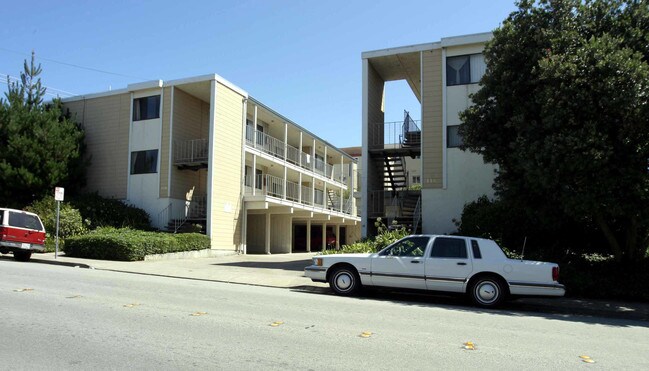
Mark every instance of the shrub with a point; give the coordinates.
(604, 278)
(126, 244)
(385, 236)
(108, 212)
(70, 221)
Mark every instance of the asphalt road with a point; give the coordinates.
(56, 317)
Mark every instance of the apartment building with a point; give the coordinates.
(441, 75)
(201, 152)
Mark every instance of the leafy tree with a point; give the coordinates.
(40, 146)
(564, 111)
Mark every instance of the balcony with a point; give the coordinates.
(398, 137)
(286, 152)
(271, 186)
(191, 154)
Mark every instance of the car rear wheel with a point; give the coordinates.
(487, 292)
(345, 281)
(22, 256)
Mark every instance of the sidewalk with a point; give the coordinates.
(287, 271)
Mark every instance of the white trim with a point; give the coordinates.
(209, 77)
(476, 38)
(400, 50)
(95, 95)
(159, 165)
(144, 85)
(171, 136)
(421, 105)
(242, 191)
(130, 148)
(364, 149)
(444, 124)
(210, 168)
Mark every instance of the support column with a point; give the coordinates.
(254, 127)
(308, 235)
(313, 156)
(328, 176)
(267, 239)
(299, 188)
(254, 174)
(337, 236)
(299, 159)
(324, 236)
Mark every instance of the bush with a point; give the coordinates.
(108, 212)
(70, 221)
(126, 244)
(606, 279)
(384, 237)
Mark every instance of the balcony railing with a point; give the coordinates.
(191, 151)
(272, 186)
(277, 148)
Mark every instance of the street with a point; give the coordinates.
(58, 317)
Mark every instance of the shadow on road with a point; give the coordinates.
(573, 310)
(296, 265)
(35, 259)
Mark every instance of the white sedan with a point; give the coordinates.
(474, 266)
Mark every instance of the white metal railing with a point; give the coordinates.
(197, 207)
(417, 216)
(292, 154)
(274, 186)
(191, 151)
(391, 134)
(329, 171)
(318, 197)
(348, 204)
(250, 135)
(319, 166)
(307, 195)
(307, 161)
(292, 191)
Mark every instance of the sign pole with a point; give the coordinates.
(59, 193)
(58, 208)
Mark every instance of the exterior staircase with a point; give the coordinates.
(394, 173)
(410, 215)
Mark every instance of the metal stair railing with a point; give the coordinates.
(416, 216)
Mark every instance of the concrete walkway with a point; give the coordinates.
(287, 271)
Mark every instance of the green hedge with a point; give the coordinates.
(128, 244)
(109, 212)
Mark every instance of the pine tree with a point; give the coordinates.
(41, 147)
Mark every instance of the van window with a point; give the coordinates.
(22, 220)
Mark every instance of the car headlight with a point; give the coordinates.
(317, 261)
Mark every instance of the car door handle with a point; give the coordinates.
(461, 263)
(414, 261)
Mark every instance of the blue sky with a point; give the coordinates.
(301, 58)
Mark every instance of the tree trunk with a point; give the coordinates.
(610, 237)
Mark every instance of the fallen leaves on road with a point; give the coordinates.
(469, 345)
(586, 359)
(276, 323)
(365, 334)
(23, 290)
(73, 297)
(196, 314)
(131, 305)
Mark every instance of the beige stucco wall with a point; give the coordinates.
(281, 233)
(431, 153)
(256, 228)
(106, 122)
(226, 201)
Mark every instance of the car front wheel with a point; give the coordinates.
(487, 292)
(22, 256)
(345, 281)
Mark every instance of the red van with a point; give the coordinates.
(21, 232)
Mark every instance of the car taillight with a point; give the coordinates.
(555, 273)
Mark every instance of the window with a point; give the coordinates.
(453, 137)
(144, 162)
(476, 250)
(416, 179)
(412, 247)
(446, 247)
(22, 220)
(464, 69)
(146, 108)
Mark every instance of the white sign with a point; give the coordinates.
(58, 193)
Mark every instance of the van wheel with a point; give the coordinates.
(345, 281)
(22, 256)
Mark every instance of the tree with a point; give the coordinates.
(40, 146)
(564, 111)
